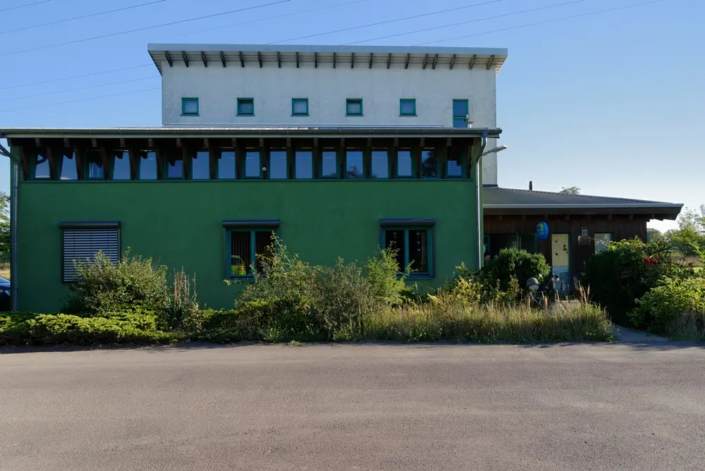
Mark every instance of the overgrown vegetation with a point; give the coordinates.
(291, 300)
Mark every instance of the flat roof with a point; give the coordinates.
(506, 201)
(227, 132)
(242, 55)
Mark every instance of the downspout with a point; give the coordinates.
(14, 197)
(478, 198)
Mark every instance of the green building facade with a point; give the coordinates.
(208, 200)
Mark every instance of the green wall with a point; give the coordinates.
(179, 224)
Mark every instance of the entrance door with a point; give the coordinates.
(560, 261)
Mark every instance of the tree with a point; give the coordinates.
(573, 190)
(689, 238)
(4, 223)
(654, 235)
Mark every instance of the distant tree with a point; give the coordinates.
(654, 235)
(4, 223)
(573, 190)
(689, 238)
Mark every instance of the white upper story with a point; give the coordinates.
(337, 86)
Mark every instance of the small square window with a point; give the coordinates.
(407, 107)
(602, 240)
(353, 107)
(247, 247)
(245, 106)
(299, 107)
(189, 106)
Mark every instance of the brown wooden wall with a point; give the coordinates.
(622, 227)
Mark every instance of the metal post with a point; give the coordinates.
(478, 197)
(14, 268)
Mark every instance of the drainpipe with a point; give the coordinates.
(478, 198)
(14, 197)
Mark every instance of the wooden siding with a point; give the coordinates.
(621, 227)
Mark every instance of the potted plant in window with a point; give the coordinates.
(238, 266)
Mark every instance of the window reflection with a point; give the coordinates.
(175, 167)
(252, 164)
(121, 165)
(148, 165)
(94, 161)
(429, 163)
(329, 164)
(454, 166)
(69, 169)
(200, 166)
(277, 165)
(42, 169)
(226, 165)
(380, 164)
(353, 164)
(304, 164)
(404, 164)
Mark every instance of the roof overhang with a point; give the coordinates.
(274, 55)
(652, 210)
(252, 132)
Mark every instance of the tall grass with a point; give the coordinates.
(489, 324)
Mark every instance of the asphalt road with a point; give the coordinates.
(357, 407)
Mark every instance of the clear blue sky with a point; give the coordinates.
(613, 103)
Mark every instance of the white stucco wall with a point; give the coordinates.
(327, 89)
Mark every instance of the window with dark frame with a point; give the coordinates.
(429, 163)
(413, 246)
(247, 246)
(299, 106)
(227, 169)
(121, 165)
(329, 164)
(405, 164)
(303, 164)
(189, 106)
(148, 165)
(354, 164)
(407, 107)
(353, 107)
(175, 166)
(94, 165)
(69, 166)
(460, 113)
(379, 164)
(201, 165)
(278, 165)
(602, 240)
(42, 169)
(454, 164)
(245, 106)
(253, 164)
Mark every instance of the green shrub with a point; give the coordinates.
(625, 272)
(130, 283)
(382, 273)
(676, 307)
(45, 329)
(182, 308)
(512, 264)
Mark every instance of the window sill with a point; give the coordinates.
(300, 115)
(354, 115)
(409, 115)
(245, 114)
(189, 114)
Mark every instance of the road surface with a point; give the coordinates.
(355, 407)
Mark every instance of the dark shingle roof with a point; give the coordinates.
(511, 201)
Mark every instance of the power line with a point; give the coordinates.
(476, 20)
(387, 22)
(634, 5)
(271, 18)
(143, 29)
(25, 5)
(80, 99)
(81, 17)
(76, 89)
(76, 76)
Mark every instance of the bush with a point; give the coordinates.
(676, 307)
(43, 329)
(625, 272)
(510, 264)
(131, 283)
(182, 309)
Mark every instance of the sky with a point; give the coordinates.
(612, 102)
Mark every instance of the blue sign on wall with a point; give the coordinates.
(542, 231)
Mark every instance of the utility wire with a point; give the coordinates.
(25, 5)
(476, 20)
(76, 89)
(76, 76)
(81, 17)
(120, 33)
(634, 5)
(80, 99)
(387, 22)
(271, 18)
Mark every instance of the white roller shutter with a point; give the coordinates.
(82, 244)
